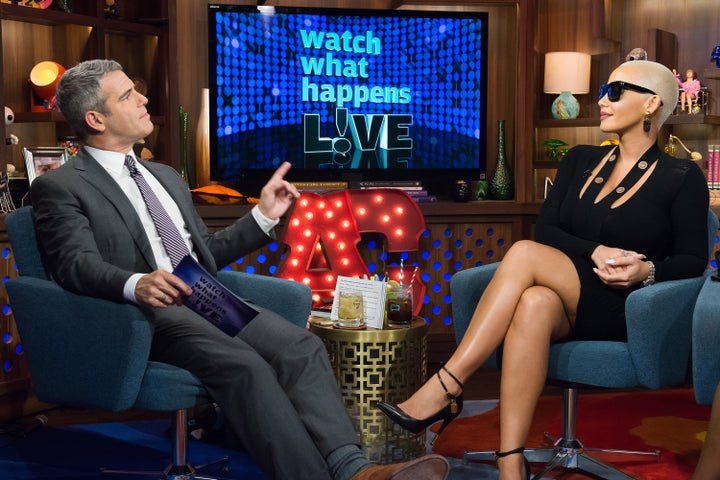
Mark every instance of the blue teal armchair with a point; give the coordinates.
(656, 355)
(705, 341)
(92, 353)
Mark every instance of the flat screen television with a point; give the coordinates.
(346, 95)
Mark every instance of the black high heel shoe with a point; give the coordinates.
(528, 473)
(446, 414)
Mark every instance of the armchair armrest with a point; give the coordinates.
(705, 341)
(659, 324)
(101, 360)
(291, 300)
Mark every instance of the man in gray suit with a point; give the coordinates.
(273, 380)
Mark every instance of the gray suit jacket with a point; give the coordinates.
(92, 240)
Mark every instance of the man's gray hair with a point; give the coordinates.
(79, 92)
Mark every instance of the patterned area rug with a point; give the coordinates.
(667, 420)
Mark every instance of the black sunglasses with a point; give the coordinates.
(614, 89)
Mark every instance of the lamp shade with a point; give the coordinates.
(567, 72)
(44, 78)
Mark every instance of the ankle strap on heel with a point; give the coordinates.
(453, 377)
(453, 398)
(499, 454)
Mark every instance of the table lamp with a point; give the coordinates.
(566, 73)
(44, 78)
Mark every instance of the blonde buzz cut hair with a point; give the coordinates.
(659, 79)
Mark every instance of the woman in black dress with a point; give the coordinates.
(617, 218)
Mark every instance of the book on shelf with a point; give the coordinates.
(212, 300)
(320, 186)
(417, 193)
(425, 199)
(406, 189)
(385, 183)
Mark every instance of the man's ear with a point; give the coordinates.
(95, 120)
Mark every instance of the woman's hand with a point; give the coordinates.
(619, 268)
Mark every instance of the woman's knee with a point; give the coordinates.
(521, 252)
(538, 308)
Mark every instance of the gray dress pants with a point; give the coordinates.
(273, 382)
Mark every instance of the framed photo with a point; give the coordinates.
(39, 160)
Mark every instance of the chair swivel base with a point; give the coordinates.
(173, 472)
(566, 454)
(179, 469)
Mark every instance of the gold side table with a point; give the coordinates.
(378, 365)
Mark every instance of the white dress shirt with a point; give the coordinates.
(114, 164)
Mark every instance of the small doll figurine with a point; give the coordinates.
(111, 9)
(689, 89)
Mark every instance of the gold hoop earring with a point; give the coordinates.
(646, 121)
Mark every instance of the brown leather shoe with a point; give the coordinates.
(429, 467)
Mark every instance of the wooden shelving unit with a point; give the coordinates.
(139, 37)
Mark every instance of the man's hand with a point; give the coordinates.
(160, 289)
(278, 194)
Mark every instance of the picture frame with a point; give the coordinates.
(39, 160)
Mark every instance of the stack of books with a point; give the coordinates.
(713, 167)
(413, 188)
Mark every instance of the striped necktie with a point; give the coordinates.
(172, 240)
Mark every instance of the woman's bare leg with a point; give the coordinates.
(526, 264)
(539, 319)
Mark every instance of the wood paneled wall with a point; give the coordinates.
(608, 30)
(509, 69)
(695, 24)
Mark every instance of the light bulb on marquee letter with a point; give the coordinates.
(315, 239)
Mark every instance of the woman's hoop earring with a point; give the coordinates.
(646, 121)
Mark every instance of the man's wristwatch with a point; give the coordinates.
(651, 277)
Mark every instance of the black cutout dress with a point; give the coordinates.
(665, 219)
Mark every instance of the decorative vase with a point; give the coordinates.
(184, 146)
(202, 142)
(501, 183)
